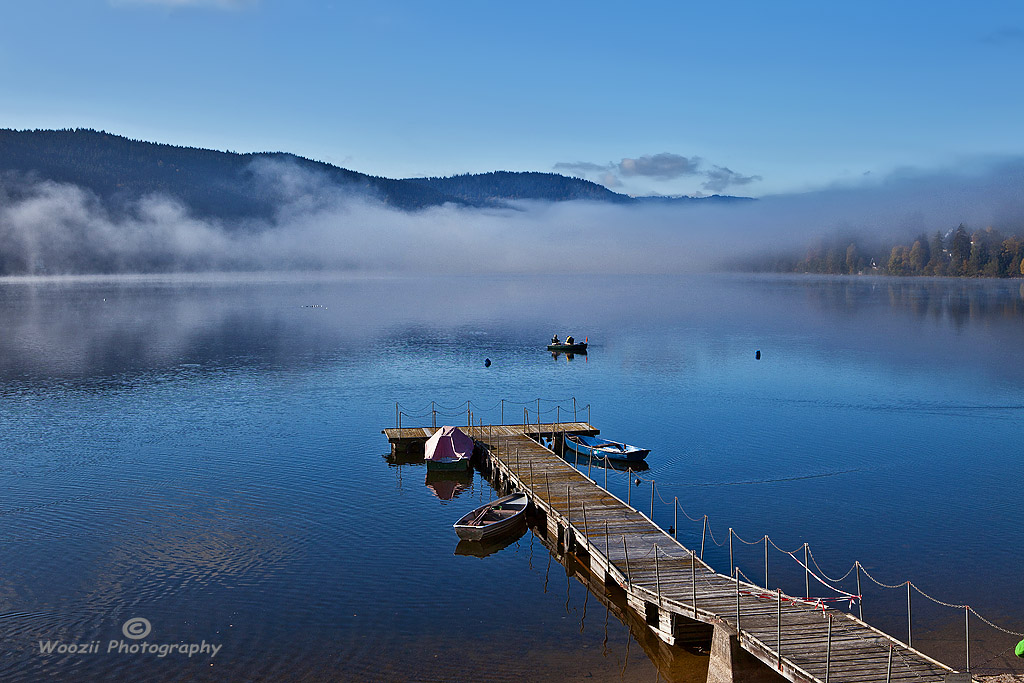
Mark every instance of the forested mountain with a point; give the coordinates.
(210, 183)
(230, 186)
(485, 188)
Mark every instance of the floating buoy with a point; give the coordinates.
(487, 362)
(637, 482)
(757, 356)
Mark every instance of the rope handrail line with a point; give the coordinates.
(998, 628)
(758, 541)
(818, 567)
(938, 602)
(658, 491)
(851, 596)
(787, 552)
(692, 519)
(992, 659)
(712, 535)
(563, 403)
(883, 585)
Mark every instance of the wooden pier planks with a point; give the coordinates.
(625, 541)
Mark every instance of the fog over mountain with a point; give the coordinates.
(287, 213)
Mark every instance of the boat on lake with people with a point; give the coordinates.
(570, 345)
(596, 447)
(494, 519)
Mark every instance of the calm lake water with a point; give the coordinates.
(205, 453)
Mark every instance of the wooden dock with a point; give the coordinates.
(756, 634)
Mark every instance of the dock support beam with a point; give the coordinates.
(730, 663)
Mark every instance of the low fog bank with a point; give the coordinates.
(52, 228)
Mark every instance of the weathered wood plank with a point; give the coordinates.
(859, 653)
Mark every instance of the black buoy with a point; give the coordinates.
(757, 356)
(487, 362)
(637, 482)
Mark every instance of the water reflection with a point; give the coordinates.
(485, 548)
(449, 485)
(674, 664)
(109, 331)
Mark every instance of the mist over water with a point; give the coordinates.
(52, 228)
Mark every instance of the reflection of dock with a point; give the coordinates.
(755, 633)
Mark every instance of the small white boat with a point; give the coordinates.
(493, 519)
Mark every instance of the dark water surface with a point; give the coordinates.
(206, 454)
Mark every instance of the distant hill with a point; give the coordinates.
(488, 188)
(228, 185)
(210, 183)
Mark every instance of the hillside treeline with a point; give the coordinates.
(956, 253)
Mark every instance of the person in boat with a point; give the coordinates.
(569, 340)
(554, 339)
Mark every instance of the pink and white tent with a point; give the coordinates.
(448, 444)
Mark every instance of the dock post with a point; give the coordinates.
(538, 416)
(652, 500)
(547, 485)
(585, 531)
(828, 649)
(607, 546)
(693, 583)
(574, 409)
(605, 471)
(910, 630)
(590, 460)
(568, 506)
(629, 485)
(657, 574)
(778, 633)
(703, 533)
(860, 595)
(766, 561)
(731, 565)
(737, 575)
(675, 518)
(469, 414)
(558, 414)
(588, 414)
(398, 420)
(807, 576)
(888, 668)
(433, 415)
(967, 634)
(625, 551)
(502, 411)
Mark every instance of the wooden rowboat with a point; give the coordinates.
(493, 519)
(598, 448)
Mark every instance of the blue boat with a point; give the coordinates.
(598, 448)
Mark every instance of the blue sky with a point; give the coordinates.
(746, 98)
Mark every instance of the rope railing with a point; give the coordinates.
(817, 573)
(820, 571)
(534, 412)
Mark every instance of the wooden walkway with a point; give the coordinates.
(670, 587)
